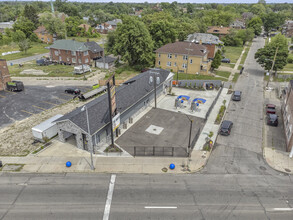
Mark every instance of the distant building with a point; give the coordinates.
(288, 28)
(211, 42)
(104, 28)
(247, 15)
(4, 25)
(185, 57)
(238, 24)
(74, 52)
(44, 35)
(219, 31)
(4, 74)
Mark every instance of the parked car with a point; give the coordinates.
(96, 86)
(72, 91)
(226, 127)
(225, 60)
(236, 95)
(272, 119)
(43, 62)
(271, 109)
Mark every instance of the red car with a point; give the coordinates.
(271, 109)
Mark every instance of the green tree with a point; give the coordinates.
(255, 23)
(265, 56)
(189, 8)
(18, 36)
(217, 60)
(53, 24)
(31, 13)
(24, 45)
(272, 20)
(133, 42)
(25, 25)
(72, 24)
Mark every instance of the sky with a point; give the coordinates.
(179, 1)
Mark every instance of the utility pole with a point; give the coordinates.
(272, 66)
(104, 53)
(188, 49)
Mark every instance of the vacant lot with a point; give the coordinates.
(233, 53)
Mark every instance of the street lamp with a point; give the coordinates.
(89, 136)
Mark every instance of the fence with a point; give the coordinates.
(195, 139)
(153, 151)
(213, 104)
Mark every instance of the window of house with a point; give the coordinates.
(190, 61)
(185, 57)
(175, 55)
(56, 53)
(73, 53)
(67, 59)
(159, 55)
(86, 60)
(159, 62)
(73, 60)
(79, 60)
(175, 64)
(42, 39)
(169, 63)
(184, 65)
(48, 39)
(169, 55)
(85, 53)
(67, 51)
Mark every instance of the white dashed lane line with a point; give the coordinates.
(109, 197)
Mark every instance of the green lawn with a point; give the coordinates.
(228, 65)
(235, 78)
(84, 39)
(37, 48)
(53, 70)
(124, 72)
(184, 76)
(288, 67)
(223, 73)
(233, 53)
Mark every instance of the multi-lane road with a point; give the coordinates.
(235, 184)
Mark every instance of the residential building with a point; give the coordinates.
(287, 114)
(86, 27)
(44, 35)
(105, 62)
(211, 42)
(247, 15)
(185, 57)
(218, 31)
(288, 28)
(238, 24)
(104, 28)
(4, 74)
(132, 97)
(74, 52)
(4, 25)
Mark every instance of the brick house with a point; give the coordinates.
(104, 28)
(287, 115)
(211, 42)
(44, 35)
(218, 31)
(74, 52)
(184, 57)
(4, 74)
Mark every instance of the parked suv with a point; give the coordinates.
(270, 109)
(225, 60)
(236, 96)
(226, 127)
(72, 91)
(272, 119)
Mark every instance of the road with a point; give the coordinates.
(25, 59)
(235, 184)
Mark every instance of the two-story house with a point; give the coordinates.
(218, 31)
(74, 52)
(44, 35)
(211, 42)
(184, 57)
(104, 28)
(4, 74)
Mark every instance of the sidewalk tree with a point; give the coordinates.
(272, 20)
(255, 23)
(24, 45)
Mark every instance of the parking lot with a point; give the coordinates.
(16, 106)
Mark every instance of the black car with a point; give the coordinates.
(225, 60)
(226, 127)
(272, 119)
(236, 96)
(72, 91)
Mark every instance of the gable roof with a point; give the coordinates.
(184, 48)
(107, 59)
(93, 46)
(127, 95)
(73, 45)
(218, 30)
(41, 29)
(204, 38)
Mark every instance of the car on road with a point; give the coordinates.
(72, 91)
(225, 60)
(270, 109)
(226, 127)
(272, 119)
(236, 95)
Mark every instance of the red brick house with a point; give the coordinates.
(218, 31)
(4, 74)
(74, 52)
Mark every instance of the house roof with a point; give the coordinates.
(127, 94)
(8, 24)
(218, 30)
(73, 45)
(114, 22)
(41, 29)
(107, 59)
(184, 48)
(238, 23)
(204, 38)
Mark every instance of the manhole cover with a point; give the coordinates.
(262, 168)
(287, 170)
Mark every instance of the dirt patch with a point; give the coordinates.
(33, 72)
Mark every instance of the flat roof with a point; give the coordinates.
(46, 124)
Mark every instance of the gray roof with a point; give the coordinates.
(205, 38)
(114, 22)
(127, 94)
(93, 46)
(107, 59)
(69, 45)
(6, 24)
(46, 124)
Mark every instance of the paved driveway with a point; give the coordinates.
(25, 59)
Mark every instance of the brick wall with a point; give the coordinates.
(69, 58)
(4, 74)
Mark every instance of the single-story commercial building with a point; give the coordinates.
(132, 97)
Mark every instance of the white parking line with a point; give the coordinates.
(280, 209)
(160, 207)
(109, 197)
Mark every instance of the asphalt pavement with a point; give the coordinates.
(25, 59)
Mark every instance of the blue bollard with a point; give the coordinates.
(172, 166)
(68, 164)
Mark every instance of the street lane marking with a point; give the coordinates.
(40, 107)
(109, 197)
(160, 207)
(282, 209)
(50, 103)
(27, 112)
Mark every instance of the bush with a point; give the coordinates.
(290, 59)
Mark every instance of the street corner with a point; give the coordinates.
(278, 160)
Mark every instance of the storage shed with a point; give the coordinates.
(109, 62)
(46, 129)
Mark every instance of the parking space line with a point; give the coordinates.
(50, 103)
(2, 96)
(109, 197)
(67, 94)
(160, 207)
(27, 112)
(63, 99)
(40, 107)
